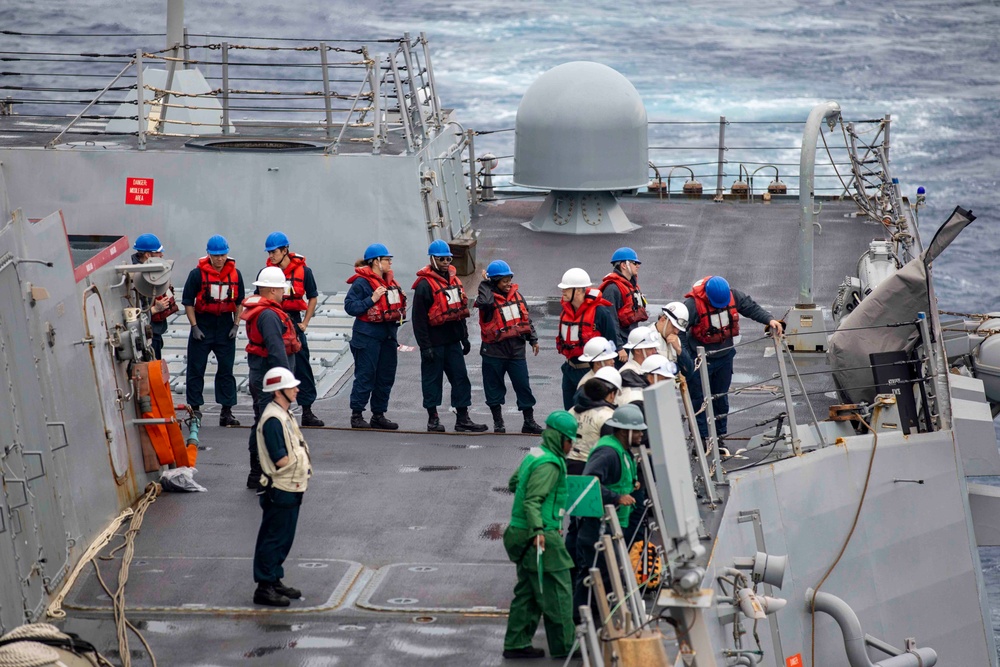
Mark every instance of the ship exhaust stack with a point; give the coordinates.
(806, 324)
(581, 134)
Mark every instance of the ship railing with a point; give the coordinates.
(331, 91)
(793, 392)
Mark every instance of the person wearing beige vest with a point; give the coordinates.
(285, 471)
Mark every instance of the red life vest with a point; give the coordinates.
(510, 317)
(168, 300)
(714, 325)
(219, 289)
(253, 306)
(633, 302)
(295, 290)
(450, 303)
(392, 306)
(577, 327)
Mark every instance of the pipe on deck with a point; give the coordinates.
(854, 637)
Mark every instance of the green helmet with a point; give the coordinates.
(628, 418)
(563, 422)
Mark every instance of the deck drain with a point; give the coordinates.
(403, 601)
(313, 565)
(417, 527)
(424, 619)
(352, 628)
(423, 568)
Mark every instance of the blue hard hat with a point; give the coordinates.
(218, 245)
(439, 249)
(625, 255)
(498, 268)
(275, 240)
(376, 250)
(147, 243)
(718, 292)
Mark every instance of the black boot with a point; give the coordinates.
(226, 417)
(530, 425)
(267, 595)
(287, 591)
(434, 424)
(498, 425)
(358, 420)
(379, 421)
(310, 420)
(464, 424)
(529, 653)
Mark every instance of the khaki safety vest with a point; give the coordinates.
(293, 477)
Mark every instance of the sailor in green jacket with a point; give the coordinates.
(535, 545)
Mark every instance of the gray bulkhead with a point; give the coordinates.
(911, 568)
(330, 205)
(59, 448)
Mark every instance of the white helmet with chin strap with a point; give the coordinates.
(279, 378)
(575, 278)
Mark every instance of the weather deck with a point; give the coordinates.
(398, 543)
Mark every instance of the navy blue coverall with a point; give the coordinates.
(216, 329)
(506, 356)
(281, 515)
(446, 341)
(720, 363)
(271, 328)
(374, 346)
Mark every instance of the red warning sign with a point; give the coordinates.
(139, 191)
(794, 661)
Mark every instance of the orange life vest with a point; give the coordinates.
(633, 302)
(253, 306)
(714, 325)
(577, 327)
(168, 299)
(392, 306)
(510, 317)
(450, 303)
(295, 288)
(219, 289)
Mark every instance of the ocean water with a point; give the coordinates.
(934, 65)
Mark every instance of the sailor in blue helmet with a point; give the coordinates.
(148, 246)
(299, 301)
(440, 311)
(213, 300)
(378, 305)
(506, 329)
(621, 288)
(714, 310)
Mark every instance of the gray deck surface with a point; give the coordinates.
(398, 527)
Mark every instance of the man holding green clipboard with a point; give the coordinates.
(535, 545)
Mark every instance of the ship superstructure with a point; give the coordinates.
(823, 484)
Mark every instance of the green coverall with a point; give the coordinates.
(539, 486)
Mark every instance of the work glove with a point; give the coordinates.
(427, 354)
(197, 333)
(235, 330)
(466, 346)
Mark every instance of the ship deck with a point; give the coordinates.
(398, 546)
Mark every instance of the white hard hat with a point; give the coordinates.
(270, 276)
(598, 349)
(635, 336)
(575, 278)
(610, 375)
(279, 378)
(652, 340)
(657, 363)
(677, 313)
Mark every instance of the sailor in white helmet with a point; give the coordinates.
(673, 323)
(643, 342)
(598, 352)
(594, 405)
(285, 471)
(585, 314)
